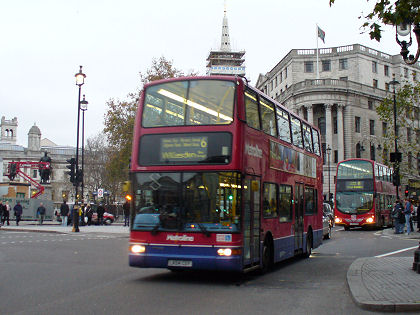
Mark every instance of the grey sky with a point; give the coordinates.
(44, 42)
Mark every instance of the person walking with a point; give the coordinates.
(18, 212)
(64, 213)
(407, 213)
(89, 213)
(41, 213)
(6, 213)
(100, 211)
(126, 208)
(397, 216)
(2, 209)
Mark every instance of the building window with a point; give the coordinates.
(386, 86)
(371, 127)
(344, 78)
(335, 156)
(357, 124)
(343, 64)
(372, 152)
(375, 83)
(358, 150)
(285, 73)
(335, 125)
(324, 153)
(410, 160)
(309, 66)
(384, 129)
(281, 77)
(370, 104)
(408, 135)
(321, 125)
(405, 72)
(34, 174)
(386, 70)
(326, 65)
(374, 67)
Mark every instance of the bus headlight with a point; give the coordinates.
(370, 220)
(337, 220)
(137, 248)
(228, 252)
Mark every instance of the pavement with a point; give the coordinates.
(386, 284)
(55, 227)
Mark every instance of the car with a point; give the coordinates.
(327, 221)
(108, 218)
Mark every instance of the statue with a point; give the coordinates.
(45, 172)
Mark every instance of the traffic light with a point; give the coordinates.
(406, 190)
(128, 197)
(12, 171)
(72, 168)
(126, 186)
(396, 178)
(79, 176)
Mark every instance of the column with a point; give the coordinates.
(340, 131)
(328, 125)
(310, 113)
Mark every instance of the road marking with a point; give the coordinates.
(396, 252)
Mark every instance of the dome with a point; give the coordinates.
(34, 130)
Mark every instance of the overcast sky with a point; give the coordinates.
(44, 42)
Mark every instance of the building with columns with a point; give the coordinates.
(59, 184)
(342, 101)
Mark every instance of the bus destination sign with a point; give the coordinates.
(354, 185)
(182, 149)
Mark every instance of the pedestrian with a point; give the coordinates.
(418, 215)
(41, 213)
(64, 213)
(18, 212)
(89, 213)
(126, 208)
(397, 216)
(6, 213)
(82, 213)
(407, 213)
(100, 211)
(2, 209)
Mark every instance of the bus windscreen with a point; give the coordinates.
(186, 103)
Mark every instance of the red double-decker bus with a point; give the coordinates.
(223, 178)
(364, 194)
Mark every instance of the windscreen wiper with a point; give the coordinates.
(203, 229)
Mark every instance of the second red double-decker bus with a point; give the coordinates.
(223, 178)
(364, 194)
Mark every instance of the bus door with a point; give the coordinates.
(252, 210)
(298, 225)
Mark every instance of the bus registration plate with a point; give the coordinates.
(179, 263)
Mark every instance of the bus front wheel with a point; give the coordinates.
(346, 228)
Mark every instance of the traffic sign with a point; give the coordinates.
(100, 193)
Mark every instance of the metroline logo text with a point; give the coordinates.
(253, 150)
(184, 237)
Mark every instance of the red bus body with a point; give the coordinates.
(364, 194)
(254, 201)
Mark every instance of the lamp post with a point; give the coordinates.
(396, 158)
(80, 80)
(329, 177)
(83, 107)
(404, 29)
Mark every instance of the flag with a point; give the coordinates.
(321, 34)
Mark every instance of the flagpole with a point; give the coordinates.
(317, 54)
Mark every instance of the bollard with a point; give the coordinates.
(416, 263)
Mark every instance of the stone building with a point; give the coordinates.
(10, 151)
(342, 101)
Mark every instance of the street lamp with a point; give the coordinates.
(404, 29)
(329, 177)
(83, 107)
(80, 80)
(395, 156)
